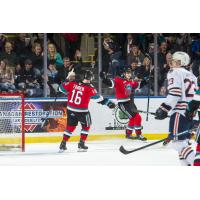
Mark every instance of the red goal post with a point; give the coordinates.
(12, 122)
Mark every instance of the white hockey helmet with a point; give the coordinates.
(181, 56)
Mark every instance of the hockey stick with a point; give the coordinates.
(124, 151)
(149, 86)
(146, 112)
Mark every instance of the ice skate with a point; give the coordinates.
(82, 147)
(141, 137)
(62, 146)
(131, 137)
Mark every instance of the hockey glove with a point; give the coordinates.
(108, 103)
(189, 114)
(111, 105)
(102, 75)
(162, 111)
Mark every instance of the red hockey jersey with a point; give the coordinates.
(79, 95)
(123, 88)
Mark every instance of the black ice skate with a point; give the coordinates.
(81, 146)
(63, 146)
(131, 137)
(141, 137)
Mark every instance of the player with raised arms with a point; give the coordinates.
(79, 93)
(123, 87)
(181, 89)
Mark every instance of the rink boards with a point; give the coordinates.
(46, 120)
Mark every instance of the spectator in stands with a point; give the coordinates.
(6, 77)
(184, 40)
(9, 55)
(196, 56)
(164, 71)
(161, 61)
(2, 42)
(127, 46)
(19, 84)
(77, 56)
(135, 68)
(135, 54)
(67, 67)
(72, 43)
(39, 39)
(28, 81)
(172, 44)
(54, 55)
(22, 47)
(114, 53)
(37, 58)
(53, 78)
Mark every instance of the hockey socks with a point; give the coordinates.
(197, 156)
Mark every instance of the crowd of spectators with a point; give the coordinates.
(136, 51)
(22, 69)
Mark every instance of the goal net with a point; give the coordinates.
(12, 119)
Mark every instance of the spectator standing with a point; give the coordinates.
(72, 43)
(127, 46)
(37, 58)
(135, 54)
(22, 47)
(114, 53)
(161, 61)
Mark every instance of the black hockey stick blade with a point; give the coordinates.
(124, 151)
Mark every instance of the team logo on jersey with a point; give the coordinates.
(128, 89)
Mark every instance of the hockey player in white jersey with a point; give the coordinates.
(181, 89)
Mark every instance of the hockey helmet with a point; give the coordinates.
(127, 70)
(183, 57)
(88, 75)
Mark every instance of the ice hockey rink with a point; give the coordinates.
(99, 153)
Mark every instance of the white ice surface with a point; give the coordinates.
(99, 153)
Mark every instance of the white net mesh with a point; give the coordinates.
(10, 123)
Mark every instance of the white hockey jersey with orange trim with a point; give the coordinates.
(181, 89)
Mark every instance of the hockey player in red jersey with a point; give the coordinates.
(123, 88)
(79, 94)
